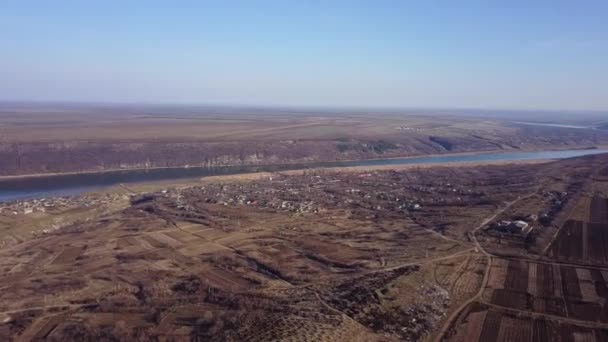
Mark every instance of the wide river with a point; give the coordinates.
(74, 184)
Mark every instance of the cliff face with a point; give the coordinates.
(73, 156)
(28, 158)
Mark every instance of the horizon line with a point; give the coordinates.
(289, 106)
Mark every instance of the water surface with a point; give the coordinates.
(74, 184)
(548, 124)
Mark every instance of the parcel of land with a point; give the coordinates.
(548, 274)
(473, 252)
(46, 139)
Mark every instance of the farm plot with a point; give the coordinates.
(480, 323)
(569, 243)
(582, 243)
(67, 256)
(462, 276)
(584, 240)
(165, 239)
(42, 327)
(579, 293)
(599, 210)
(470, 278)
(581, 210)
(514, 294)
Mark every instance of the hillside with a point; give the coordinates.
(32, 143)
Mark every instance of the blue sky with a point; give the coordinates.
(466, 54)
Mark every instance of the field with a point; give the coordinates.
(324, 255)
(319, 255)
(555, 288)
(56, 139)
(550, 289)
(578, 293)
(483, 323)
(585, 241)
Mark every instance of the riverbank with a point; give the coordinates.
(70, 185)
(472, 153)
(245, 177)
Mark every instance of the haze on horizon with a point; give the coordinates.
(473, 54)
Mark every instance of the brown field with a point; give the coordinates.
(55, 140)
(315, 256)
(585, 241)
(558, 296)
(547, 288)
(598, 210)
(379, 255)
(481, 323)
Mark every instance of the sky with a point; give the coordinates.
(432, 54)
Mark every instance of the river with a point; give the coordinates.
(547, 124)
(74, 184)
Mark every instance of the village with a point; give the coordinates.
(424, 196)
(366, 242)
(57, 204)
(21, 220)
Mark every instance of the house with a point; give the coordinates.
(521, 225)
(512, 226)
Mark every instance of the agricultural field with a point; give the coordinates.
(483, 323)
(584, 241)
(578, 293)
(43, 140)
(325, 255)
(552, 289)
(318, 255)
(22, 220)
